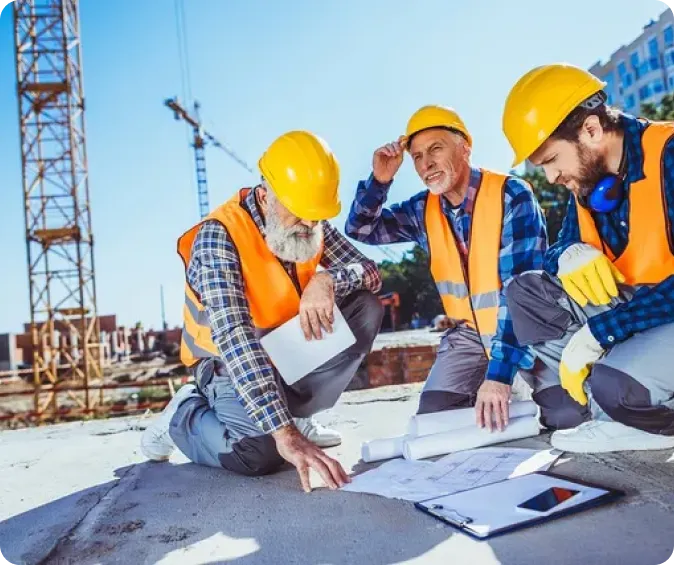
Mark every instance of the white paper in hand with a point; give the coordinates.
(294, 357)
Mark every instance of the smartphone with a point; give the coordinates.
(548, 499)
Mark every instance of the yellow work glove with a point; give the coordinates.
(582, 351)
(587, 274)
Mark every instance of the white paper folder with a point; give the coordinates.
(494, 509)
(294, 357)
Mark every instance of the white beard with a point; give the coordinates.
(440, 187)
(286, 244)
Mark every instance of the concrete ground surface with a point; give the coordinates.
(83, 494)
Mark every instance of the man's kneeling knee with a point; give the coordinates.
(627, 401)
(253, 456)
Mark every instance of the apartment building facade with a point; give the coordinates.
(643, 71)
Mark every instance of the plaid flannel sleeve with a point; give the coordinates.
(523, 245)
(650, 307)
(369, 222)
(349, 268)
(214, 273)
(568, 235)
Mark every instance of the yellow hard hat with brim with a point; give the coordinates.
(433, 116)
(540, 101)
(303, 172)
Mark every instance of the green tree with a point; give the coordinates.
(411, 279)
(553, 199)
(663, 112)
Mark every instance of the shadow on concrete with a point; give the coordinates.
(185, 514)
(164, 513)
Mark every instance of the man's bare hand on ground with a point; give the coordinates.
(303, 455)
(316, 305)
(492, 405)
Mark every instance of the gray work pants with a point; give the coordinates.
(212, 428)
(632, 384)
(459, 371)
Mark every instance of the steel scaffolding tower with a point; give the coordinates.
(59, 239)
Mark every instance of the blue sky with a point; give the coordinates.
(351, 70)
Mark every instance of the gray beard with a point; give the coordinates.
(285, 242)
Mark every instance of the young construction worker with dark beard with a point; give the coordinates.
(250, 266)
(601, 315)
(480, 228)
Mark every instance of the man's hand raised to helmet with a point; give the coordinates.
(387, 160)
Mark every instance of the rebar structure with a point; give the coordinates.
(59, 239)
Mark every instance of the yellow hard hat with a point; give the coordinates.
(304, 175)
(434, 117)
(540, 101)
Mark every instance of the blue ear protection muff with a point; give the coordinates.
(607, 194)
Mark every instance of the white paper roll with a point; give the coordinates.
(448, 420)
(468, 438)
(384, 448)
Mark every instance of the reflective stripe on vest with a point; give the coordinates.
(471, 296)
(271, 293)
(648, 257)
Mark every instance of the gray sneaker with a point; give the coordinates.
(314, 432)
(156, 443)
(597, 436)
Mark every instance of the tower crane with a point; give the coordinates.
(200, 139)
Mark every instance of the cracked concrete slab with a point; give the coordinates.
(83, 494)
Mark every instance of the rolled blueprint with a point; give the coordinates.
(448, 420)
(467, 438)
(384, 448)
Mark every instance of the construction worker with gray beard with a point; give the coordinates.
(250, 266)
(480, 228)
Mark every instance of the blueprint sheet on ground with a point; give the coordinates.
(421, 480)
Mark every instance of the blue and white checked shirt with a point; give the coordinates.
(214, 273)
(523, 243)
(651, 306)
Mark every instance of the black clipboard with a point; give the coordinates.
(463, 523)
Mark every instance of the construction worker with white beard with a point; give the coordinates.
(250, 266)
(480, 229)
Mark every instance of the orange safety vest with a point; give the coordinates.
(649, 255)
(470, 292)
(272, 296)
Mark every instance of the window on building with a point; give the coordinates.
(644, 92)
(657, 86)
(634, 60)
(625, 77)
(653, 47)
(669, 58)
(669, 36)
(671, 83)
(630, 102)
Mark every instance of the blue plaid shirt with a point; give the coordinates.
(523, 243)
(651, 306)
(214, 273)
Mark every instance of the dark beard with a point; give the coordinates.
(592, 169)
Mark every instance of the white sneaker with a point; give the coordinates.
(314, 432)
(156, 443)
(597, 436)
